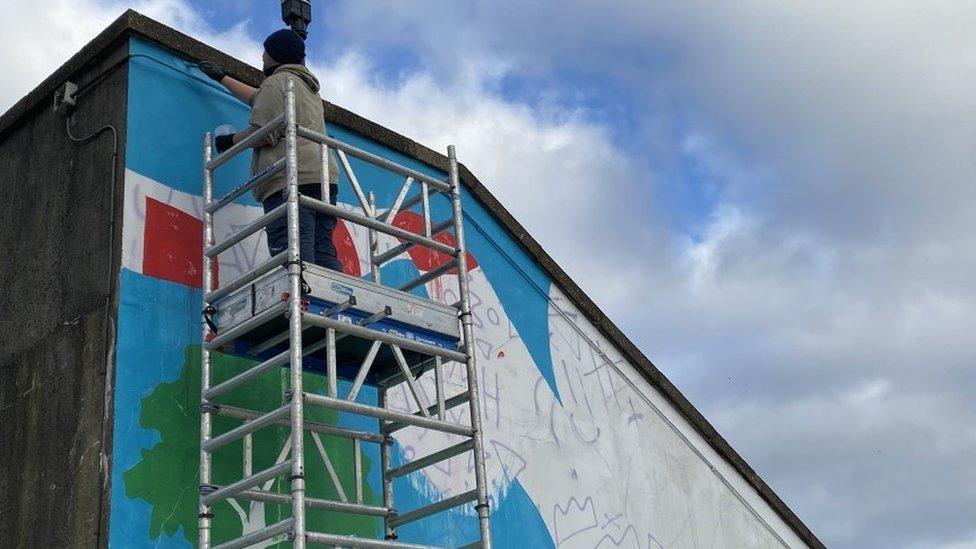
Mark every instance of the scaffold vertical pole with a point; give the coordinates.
(295, 322)
(386, 455)
(205, 516)
(467, 330)
(373, 240)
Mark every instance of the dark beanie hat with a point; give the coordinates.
(285, 46)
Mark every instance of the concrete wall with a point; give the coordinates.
(55, 310)
(582, 451)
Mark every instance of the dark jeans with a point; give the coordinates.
(315, 229)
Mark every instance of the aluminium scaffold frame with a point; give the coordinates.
(254, 486)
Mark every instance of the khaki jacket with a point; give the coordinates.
(267, 104)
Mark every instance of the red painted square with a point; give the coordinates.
(173, 245)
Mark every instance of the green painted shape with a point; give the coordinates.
(167, 476)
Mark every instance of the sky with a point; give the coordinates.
(774, 200)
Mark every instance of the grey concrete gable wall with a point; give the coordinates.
(57, 310)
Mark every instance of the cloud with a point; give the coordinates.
(545, 169)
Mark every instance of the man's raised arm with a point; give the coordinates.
(238, 89)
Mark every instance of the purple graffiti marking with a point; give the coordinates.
(552, 423)
(535, 395)
(450, 296)
(579, 434)
(634, 414)
(611, 520)
(586, 398)
(489, 398)
(573, 519)
(493, 316)
(569, 380)
(630, 531)
(541, 382)
(511, 461)
(485, 347)
(614, 392)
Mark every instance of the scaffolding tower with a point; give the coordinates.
(282, 311)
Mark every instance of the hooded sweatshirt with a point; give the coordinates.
(269, 103)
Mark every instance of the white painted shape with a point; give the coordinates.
(233, 262)
(614, 464)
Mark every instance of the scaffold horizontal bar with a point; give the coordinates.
(277, 309)
(258, 536)
(232, 490)
(439, 184)
(252, 182)
(452, 402)
(247, 231)
(390, 415)
(245, 144)
(397, 250)
(371, 223)
(354, 542)
(318, 503)
(427, 277)
(247, 428)
(257, 272)
(428, 460)
(247, 375)
(251, 373)
(281, 336)
(375, 335)
(315, 426)
(433, 508)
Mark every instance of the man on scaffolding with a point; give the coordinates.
(283, 59)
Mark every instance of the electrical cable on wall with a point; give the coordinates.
(109, 363)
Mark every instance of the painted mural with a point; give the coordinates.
(580, 450)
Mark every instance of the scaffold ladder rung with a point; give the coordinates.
(435, 508)
(247, 278)
(450, 403)
(309, 425)
(354, 542)
(317, 503)
(427, 461)
(223, 338)
(258, 536)
(247, 428)
(231, 490)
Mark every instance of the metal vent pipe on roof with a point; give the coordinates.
(297, 14)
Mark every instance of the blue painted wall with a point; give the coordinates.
(171, 105)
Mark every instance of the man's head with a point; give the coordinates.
(283, 47)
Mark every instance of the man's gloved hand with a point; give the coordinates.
(224, 142)
(212, 70)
